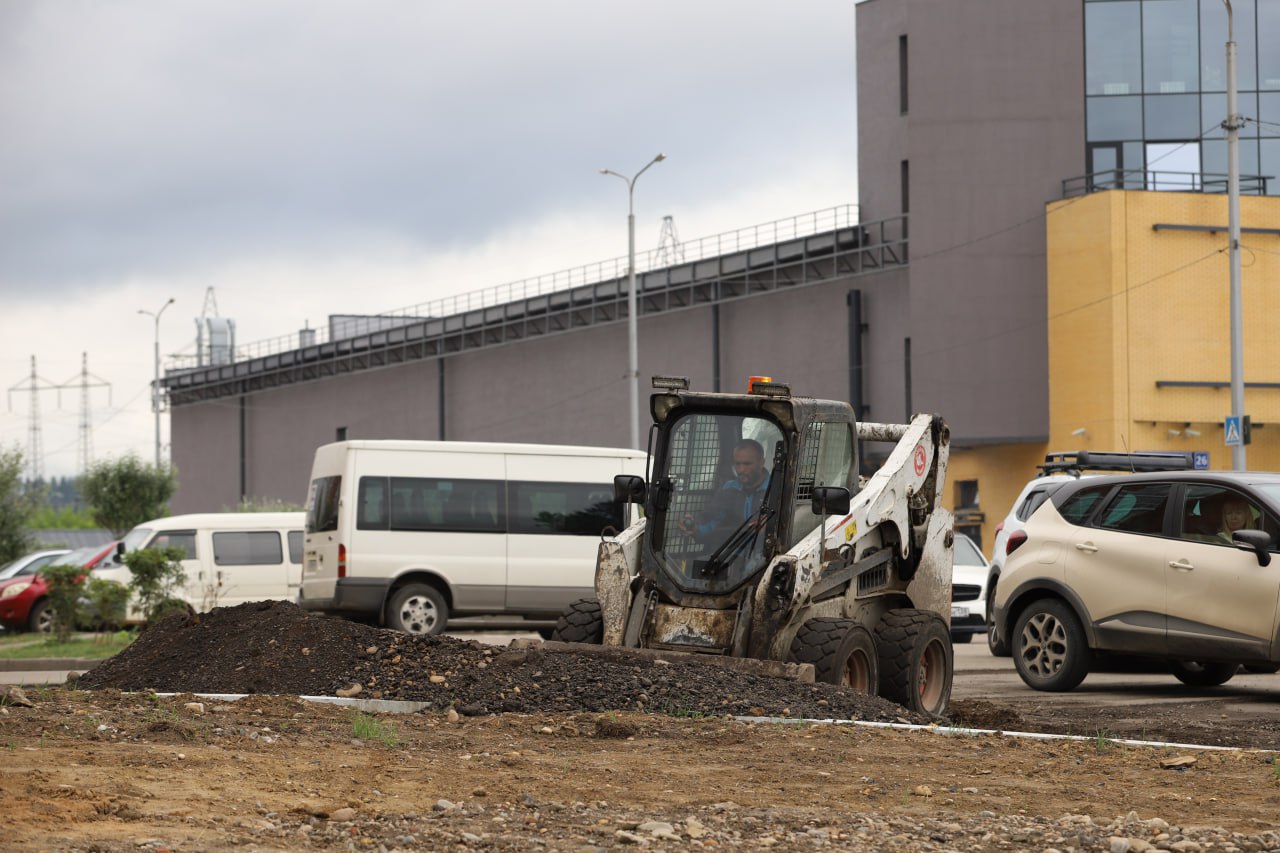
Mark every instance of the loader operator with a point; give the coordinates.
(738, 500)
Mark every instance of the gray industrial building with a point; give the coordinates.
(551, 368)
(971, 118)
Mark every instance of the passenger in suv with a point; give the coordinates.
(1134, 565)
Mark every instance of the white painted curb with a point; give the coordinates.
(954, 730)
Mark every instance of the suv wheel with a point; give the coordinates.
(997, 643)
(1049, 647)
(1197, 674)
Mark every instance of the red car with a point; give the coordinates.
(24, 602)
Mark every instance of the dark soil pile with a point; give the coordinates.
(274, 647)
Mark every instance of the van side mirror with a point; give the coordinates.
(119, 552)
(830, 500)
(1257, 541)
(628, 489)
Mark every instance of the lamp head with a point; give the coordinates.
(660, 157)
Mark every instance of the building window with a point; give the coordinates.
(902, 74)
(905, 170)
(1113, 48)
(1171, 47)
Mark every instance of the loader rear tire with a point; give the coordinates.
(841, 651)
(916, 660)
(581, 622)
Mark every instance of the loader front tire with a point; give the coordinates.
(916, 660)
(581, 622)
(841, 651)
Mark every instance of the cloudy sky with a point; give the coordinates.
(312, 157)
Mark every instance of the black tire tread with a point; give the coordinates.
(897, 635)
(817, 643)
(581, 622)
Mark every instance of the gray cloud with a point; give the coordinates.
(152, 136)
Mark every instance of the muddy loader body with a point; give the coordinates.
(761, 540)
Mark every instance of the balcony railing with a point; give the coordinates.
(1146, 179)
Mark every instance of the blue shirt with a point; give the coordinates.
(751, 500)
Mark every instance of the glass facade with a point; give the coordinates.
(1155, 93)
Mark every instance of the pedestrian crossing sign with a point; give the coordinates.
(1236, 429)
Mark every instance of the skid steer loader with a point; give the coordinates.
(791, 558)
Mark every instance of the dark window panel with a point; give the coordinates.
(1170, 47)
(1111, 119)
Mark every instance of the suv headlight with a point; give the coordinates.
(16, 589)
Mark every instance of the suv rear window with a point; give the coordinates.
(1031, 503)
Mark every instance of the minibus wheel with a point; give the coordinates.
(417, 609)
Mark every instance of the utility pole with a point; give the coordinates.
(1232, 126)
(35, 440)
(157, 397)
(86, 420)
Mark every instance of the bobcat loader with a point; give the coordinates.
(800, 561)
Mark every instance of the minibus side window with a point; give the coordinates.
(371, 504)
(295, 546)
(184, 539)
(249, 548)
(430, 503)
(572, 509)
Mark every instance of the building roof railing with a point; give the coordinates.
(1147, 179)
(751, 237)
(843, 252)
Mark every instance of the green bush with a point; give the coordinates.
(157, 575)
(64, 583)
(104, 604)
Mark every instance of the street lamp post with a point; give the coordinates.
(155, 386)
(633, 346)
(1232, 126)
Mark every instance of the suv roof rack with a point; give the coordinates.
(1134, 462)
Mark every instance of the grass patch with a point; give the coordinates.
(97, 647)
(366, 727)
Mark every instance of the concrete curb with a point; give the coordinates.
(47, 664)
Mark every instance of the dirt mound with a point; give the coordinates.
(275, 647)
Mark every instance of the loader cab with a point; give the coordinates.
(732, 479)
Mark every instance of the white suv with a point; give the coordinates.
(1058, 470)
(1175, 566)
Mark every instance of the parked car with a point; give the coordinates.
(28, 564)
(24, 600)
(1175, 566)
(968, 590)
(1058, 470)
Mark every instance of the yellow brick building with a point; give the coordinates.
(1139, 337)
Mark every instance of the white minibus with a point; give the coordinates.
(231, 557)
(407, 533)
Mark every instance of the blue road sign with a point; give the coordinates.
(1200, 460)
(1231, 427)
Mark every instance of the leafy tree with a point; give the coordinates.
(63, 584)
(61, 518)
(122, 493)
(157, 575)
(105, 604)
(16, 506)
